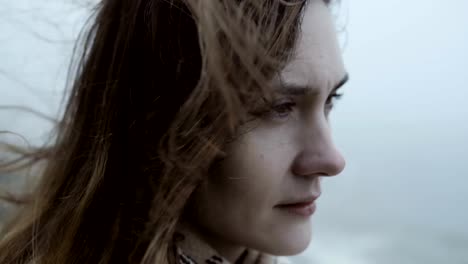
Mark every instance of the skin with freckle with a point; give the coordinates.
(193, 131)
(282, 156)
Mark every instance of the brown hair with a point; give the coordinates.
(161, 85)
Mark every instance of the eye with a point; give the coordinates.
(282, 109)
(331, 100)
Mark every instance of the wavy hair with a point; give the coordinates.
(160, 87)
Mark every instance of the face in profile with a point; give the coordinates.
(262, 194)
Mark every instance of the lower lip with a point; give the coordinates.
(303, 209)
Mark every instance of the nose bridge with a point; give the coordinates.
(318, 140)
(319, 155)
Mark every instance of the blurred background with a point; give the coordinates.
(402, 124)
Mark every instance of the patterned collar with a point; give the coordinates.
(190, 249)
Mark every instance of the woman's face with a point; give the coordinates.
(252, 198)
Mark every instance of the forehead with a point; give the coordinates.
(317, 60)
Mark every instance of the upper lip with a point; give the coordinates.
(305, 200)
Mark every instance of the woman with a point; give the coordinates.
(196, 132)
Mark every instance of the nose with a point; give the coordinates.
(318, 156)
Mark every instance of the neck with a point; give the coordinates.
(229, 251)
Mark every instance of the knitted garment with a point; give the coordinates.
(190, 249)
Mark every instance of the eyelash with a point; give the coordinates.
(288, 106)
(283, 109)
(330, 100)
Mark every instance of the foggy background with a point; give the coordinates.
(402, 123)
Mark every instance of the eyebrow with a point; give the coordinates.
(296, 90)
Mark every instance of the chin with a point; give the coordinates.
(293, 248)
(289, 243)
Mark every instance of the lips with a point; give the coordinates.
(306, 199)
(302, 206)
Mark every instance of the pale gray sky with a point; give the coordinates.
(402, 123)
(403, 127)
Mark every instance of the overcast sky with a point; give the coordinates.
(403, 127)
(402, 123)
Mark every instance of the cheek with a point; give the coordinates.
(257, 166)
(237, 201)
(252, 174)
